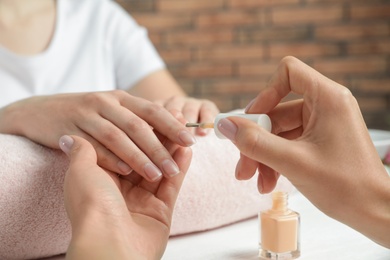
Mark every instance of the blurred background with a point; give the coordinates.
(226, 50)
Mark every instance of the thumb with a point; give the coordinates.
(79, 150)
(260, 145)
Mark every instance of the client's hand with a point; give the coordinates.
(121, 127)
(117, 217)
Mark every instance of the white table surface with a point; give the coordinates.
(321, 238)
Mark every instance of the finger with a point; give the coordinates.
(169, 188)
(159, 118)
(152, 187)
(190, 112)
(207, 113)
(262, 146)
(286, 116)
(245, 168)
(138, 146)
(174, 103)
(292, 134)
(85, 181)
(133, 178)
(80, 152)
(105, 158)
(178, 115)
(191, 109)
(269, 179)
(292, 75)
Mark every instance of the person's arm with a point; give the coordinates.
(117, 217)
(321, 144)
(159, 85)
(161, 88)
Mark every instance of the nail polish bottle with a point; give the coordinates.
(279, 230)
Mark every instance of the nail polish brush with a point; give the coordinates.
(261, 119)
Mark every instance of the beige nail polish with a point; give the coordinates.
(279, 230)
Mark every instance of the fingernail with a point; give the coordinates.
(187, 138)
(227, 128)
(203, 131)
(66, 143)
(249, 105)
(237, 171)
(124, 168)
(170, 167)
(260, 183)
(152, 172)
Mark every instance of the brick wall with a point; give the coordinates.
(226, 50)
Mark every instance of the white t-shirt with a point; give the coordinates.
(96, 46)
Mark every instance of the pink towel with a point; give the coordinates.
(33, 221)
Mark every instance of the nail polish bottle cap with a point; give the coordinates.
(261, 119)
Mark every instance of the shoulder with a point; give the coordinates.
(93, 9)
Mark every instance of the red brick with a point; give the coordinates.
(332, 1)
(270, 34)
(370, 11)
(257, 69)
(188, 5)
(224, 103)
(372, 103)
(163, 22)
(352, 31)
(259, 3)
(348, 66)
(143, 5)
(303, 50)
(230, 53)
(176, 55)
(189, 86)
(372, 47)
(200, 37)
(234, 87)
(155, 38)
(372, 86)
(307, 15)
(203, 44)
(228, 18)
(202, 70)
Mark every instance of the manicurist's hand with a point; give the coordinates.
(193, 110)
(121, 127)
(114, 216)
(320, 143)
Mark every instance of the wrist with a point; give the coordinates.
(8, 119)
(98, 236)
(373, 212)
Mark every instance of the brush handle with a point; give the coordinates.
(261, 119)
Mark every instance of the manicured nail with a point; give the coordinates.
(260, 183)
(237, 171)
(152, 172)
(124, 168)
(170, 167)
(227, 128)
(187, 138)
(202, 131)
(249, 105)
(66, 143)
